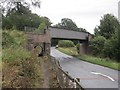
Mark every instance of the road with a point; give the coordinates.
(91, 75)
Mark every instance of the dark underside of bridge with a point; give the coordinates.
(54, 41)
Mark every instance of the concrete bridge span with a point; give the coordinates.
(68, 34)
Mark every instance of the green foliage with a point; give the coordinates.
(110, 29)
(111, 49)
(115, 41)
(7, 40)
(12, 42)
(46, 21)
(118, 44)
(96, 60)
(6, 23)
(18, 17)
(97, 45)
(101, 61)
(67, 23)
(19, 37)
(21, 16)
(108, 25)
(69, 50)
(65, 43)
(96, 31)
(108, 47)
(15, 53)
(42, 26)
(16, 5)
(82, 30)
(78, 47)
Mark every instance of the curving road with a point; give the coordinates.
(91, 75)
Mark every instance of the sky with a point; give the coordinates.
(85, 13)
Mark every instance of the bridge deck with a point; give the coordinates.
(68, 34)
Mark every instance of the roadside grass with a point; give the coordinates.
(69, 51)
(20, 68)
(100, 61)
(92, 59)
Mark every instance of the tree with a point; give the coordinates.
(116, 44)
(34, 20)
(46, 20)
(82, 30)
(108, 23)
(6, 23)
(97, 45)
(8, 5)
(17, 17)
(108, 43)
(42, 26)
(112, 46)
(96, 31)
(19, 9)
(67, 23)
(18, 13)
(108, 48)
(21, 16)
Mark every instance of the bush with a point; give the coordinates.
(78, 47)
(19, 37)
(65, 43)
(97, 45)
(10, 38)
(112, 49)
(12, 42)
(15, 53)
(108, 47)
(7, 40)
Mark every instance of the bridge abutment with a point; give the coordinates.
(83, 48)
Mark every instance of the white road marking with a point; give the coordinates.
(103, 75)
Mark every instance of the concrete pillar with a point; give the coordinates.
(83, 48)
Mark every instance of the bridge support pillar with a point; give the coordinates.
(83, 48)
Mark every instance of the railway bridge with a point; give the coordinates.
(46, 38)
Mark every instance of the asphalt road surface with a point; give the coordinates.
(91, 75)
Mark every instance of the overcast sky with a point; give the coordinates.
(85, 13)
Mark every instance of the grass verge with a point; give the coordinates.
(69, 51)
(92, 59)
(20, 68)
(100, 61)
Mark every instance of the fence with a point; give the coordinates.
(64, 79)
